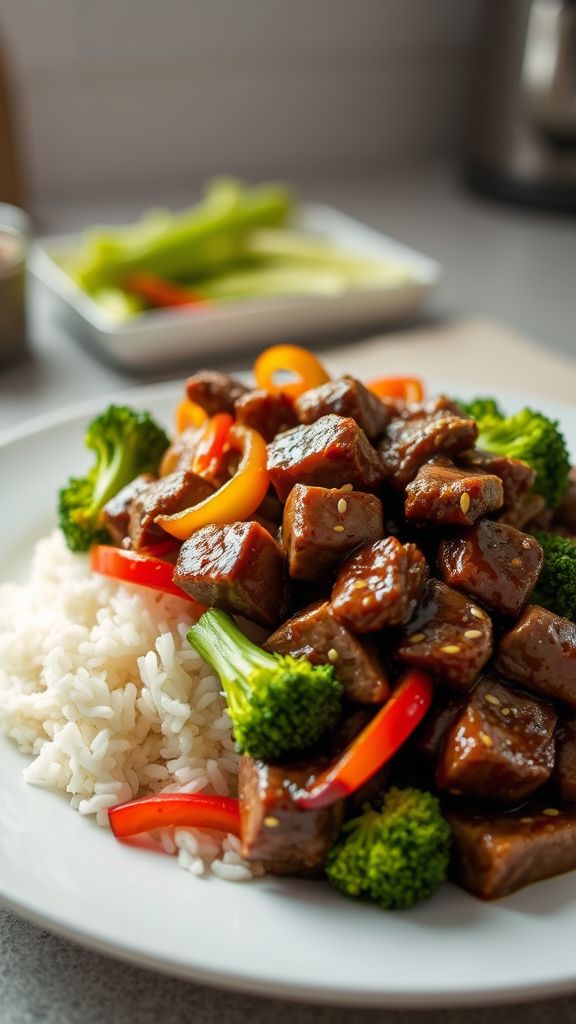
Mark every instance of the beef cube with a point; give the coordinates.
(429, 407)
(315, 634)
(346, 397)
(539, 654)
(494, 563)
(530, 508)
(266, 413)
(565, 514)
(497, 854)
(446, 496)
(331, 452)
(380, 585)
(237, 567)
(448, 636)
(501, 746)
(322, 526)
(517, 477)
(116, 512)
(214, 391)
(275, 833)
(170, 494)
(410, 442)
(564, 774)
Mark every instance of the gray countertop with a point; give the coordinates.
(507, 263)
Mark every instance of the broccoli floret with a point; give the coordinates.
(556, 588)
(395, 857)
(537, 440)
(277, 703)
(126, 443)
(480, 408)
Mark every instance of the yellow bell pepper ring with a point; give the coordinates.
(237, 499)
(293, 359)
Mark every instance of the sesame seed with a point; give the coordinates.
(360, 584)
(526, 821)
(342, 506)
(505, 711)
(338, 529)
(416, 638)
(333, 655)
(477, 613)
(485, 739)
(550, 812)
(473, 634)
(465, 502)
(492, 699)
(346, 487)
(271, 822)
(526, 545)
(366, 600)
(516, 562)
(450, 648)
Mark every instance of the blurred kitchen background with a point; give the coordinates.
(385, 109)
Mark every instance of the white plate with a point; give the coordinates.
(300, 939)
(161, 337)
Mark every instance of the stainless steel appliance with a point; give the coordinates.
(521, 132)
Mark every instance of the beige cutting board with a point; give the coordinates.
(485, 352)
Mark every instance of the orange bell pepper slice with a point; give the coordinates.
(211, 444)
(188, 415)
(296, 360)
(237, 499)
(407, 389)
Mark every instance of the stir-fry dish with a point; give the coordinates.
(380, 588)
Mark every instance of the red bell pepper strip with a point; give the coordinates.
(407, 389)
(211, 444)
(166, 810)
(375, 745)
(159, 292)
(133, 567)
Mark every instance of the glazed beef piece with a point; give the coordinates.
(214, 391)
(564, 774)
(448, 636)
(314, 633)
(380, 585)
(331, 452)
(277, 834)
(266, 413)
(497, 854)
(565, 514)
(411, 441)
(237, 567)
(517, 477)
(500, 747)
(346, 397)
(494, 563)
(539, 654)
(443, 495)
(170, 494)
(321, 526)
(116, 512)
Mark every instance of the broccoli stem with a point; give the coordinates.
(229, 652)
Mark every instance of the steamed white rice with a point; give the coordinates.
(99, 685)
